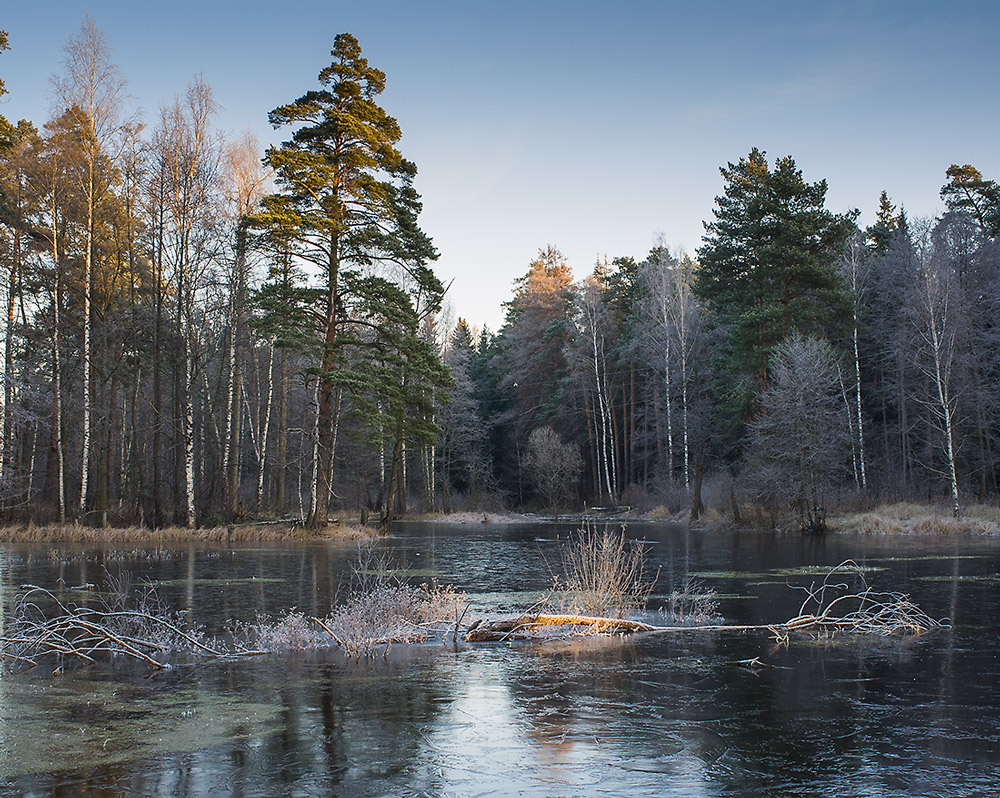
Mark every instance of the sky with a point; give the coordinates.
(598, 128)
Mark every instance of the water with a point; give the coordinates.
(654, 715)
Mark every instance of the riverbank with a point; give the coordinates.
(903, 518)
(907, 518)
(348, 529)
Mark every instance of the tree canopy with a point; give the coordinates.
(768, 267)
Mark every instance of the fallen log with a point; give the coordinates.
(524, 627)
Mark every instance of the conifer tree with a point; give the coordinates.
(966, 190)
(768, 267)
(347, 205)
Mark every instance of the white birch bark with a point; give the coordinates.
(314, 481)
(57, 370)
(85, 421)
(937, 333)
(265, 424)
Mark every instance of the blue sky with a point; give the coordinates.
(592, 128)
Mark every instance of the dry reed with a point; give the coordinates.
(907, 518)
(383, 608)
(603, 574)
(75, 533)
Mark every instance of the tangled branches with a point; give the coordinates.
(833, 608)
(117, 624)
(383, 608)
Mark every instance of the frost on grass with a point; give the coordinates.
(383, 608)
(694, 603)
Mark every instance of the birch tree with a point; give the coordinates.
(246, 182)
(799, 438)
(673, 316)
(593, 347)
(189, 157)
(937, 322)
(93, 88)
(855, 274)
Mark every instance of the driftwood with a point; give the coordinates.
(829, 608)
(527, 626)
(45, 626)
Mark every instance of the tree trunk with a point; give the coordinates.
(697, 506)
(318, 517)
(57, 435)
(87, 268)
(861, 428)
(6, 396)
(394, 475)
(280, 485)
(265, 424)
(158, 366)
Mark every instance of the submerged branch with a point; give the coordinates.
(67, 632)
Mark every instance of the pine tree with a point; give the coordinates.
(966, 190)
(346, 204)
(6, 129)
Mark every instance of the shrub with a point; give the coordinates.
(603, 574)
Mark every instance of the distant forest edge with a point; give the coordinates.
(197, 332)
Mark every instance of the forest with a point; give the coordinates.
(199, 331)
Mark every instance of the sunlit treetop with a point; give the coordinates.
(967, 191)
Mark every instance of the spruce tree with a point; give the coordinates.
(768, 267)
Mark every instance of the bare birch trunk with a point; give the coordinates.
(7, 394)
(850, 426)
(230, 387)
(57, 374)
(947, 409)
(157, 360)
(669, 414)
(614, 440)
(188, 430)
(87, 266)
(265, 424)
(314, 482)
(280, 486)
(857, 399)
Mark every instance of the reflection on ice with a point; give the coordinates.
(637, 716)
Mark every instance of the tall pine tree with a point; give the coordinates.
(346, 204)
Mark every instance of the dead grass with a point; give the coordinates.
(384, 608)
(75, 533)
(659, 513)
(603, 574)
(710, 517)
(909, 518)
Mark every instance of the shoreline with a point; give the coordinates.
(237, 533)
(900, 519)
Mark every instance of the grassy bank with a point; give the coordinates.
(77, 533)
(471, 517)
(907, 518)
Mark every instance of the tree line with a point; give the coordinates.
(197, 331)
(798, 362)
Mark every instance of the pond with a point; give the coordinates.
(648, 715)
